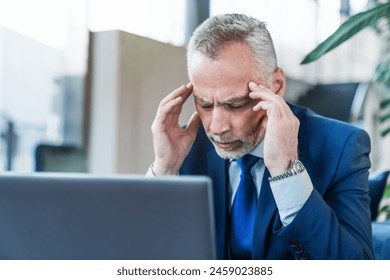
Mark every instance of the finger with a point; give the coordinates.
(166, 116)
(261, 92)
(184, 90)
(193, 124)
(265, 94)
(173, 106)
(257, 89)
(258, 107)
(271, 108)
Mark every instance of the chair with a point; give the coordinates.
(59, 158)
(332, 100)
(376, 185)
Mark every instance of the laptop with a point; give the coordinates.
(82, 216)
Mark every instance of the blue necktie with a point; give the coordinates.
(243, 212)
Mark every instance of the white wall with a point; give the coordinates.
(130, 75)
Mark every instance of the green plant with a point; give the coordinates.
(377, 17)
(384, 211)
(387, 191)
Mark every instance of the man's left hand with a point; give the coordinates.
(281, 129)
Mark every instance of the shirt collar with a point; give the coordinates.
(257, 151)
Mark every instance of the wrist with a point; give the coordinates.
(159, 170)
(281, 163)
(279, 168)
(296, 167)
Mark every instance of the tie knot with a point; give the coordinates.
(246, 163)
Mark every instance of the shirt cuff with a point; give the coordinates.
(291, 194)
(150, 172)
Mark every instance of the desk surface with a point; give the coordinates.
(381, 240)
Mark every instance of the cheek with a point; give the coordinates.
(205, 117)
(258, 116)
(248, 123)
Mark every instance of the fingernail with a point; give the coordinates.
(252, 84)
(189, 85)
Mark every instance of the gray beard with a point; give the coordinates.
(245, 148)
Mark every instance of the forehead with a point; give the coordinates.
(225, 77)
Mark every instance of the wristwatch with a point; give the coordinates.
(296, 167)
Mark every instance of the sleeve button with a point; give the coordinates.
(303, 256)
(298, 250)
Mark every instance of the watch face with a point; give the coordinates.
(297, 166)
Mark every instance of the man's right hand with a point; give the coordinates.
(171, 142)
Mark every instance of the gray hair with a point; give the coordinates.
(216, 32)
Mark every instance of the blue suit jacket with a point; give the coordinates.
(334, 223)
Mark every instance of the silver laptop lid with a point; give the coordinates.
(75, 216)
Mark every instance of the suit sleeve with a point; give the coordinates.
(336, 224)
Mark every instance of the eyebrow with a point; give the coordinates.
(235, 100)
(232, 100)
(202, 100)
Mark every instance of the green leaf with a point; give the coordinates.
(385, 132)
(385, 208)
(384, 103)
(349, 28)
(384, 117)
(387, 192)
(383, 71)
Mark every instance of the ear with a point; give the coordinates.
(279, 82)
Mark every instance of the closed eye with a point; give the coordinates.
(204, 104)
(232, 106)
(236, 105)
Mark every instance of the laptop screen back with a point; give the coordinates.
(73, 216)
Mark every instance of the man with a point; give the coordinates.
(308, 174)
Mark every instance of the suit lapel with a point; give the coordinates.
(267, 213)
(217, 169)
(266, 210)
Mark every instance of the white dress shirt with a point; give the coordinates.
(290, 194)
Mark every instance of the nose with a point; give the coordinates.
(220, 121)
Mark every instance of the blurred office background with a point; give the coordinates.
(80, 80)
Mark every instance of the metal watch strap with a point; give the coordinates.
(296, 167)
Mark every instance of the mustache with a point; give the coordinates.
(223, 139)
